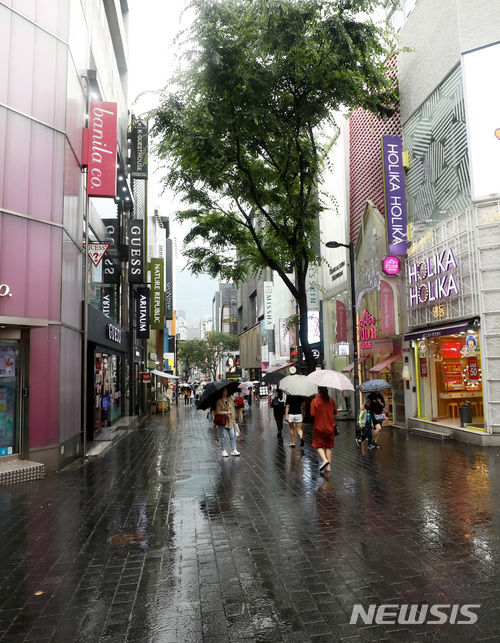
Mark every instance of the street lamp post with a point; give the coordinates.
(350, 247)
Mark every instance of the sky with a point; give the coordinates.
(153, 25)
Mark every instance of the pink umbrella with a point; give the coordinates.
(331, 379)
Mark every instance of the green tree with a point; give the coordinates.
(242, 128)
(219, 345)
(192, 354)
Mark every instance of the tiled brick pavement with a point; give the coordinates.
(260, 548)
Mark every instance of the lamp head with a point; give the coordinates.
(333, 244)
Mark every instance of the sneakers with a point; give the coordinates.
(358, 443)
(225, 454)
(234, 452)
(374, 445)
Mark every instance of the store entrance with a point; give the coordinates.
(450, 380)
(105, 401)
(10, 398)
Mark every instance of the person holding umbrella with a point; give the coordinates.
(377, 403)
(225, 406)
(323, 409)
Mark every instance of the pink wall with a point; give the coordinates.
(30, 264)
(44, 386)
(365, 164)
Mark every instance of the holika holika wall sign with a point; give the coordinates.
(433, 278)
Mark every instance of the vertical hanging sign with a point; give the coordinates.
(169, 285)
(142, 313)
(111, 274)
(394, 194)
(312, 288)
(341, 331)
(139, 150)
(100, 149)
(268, 305)
(157, 294)
(136, 251)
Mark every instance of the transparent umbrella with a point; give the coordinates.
(298, 385)
(331, 379)
(373, 386)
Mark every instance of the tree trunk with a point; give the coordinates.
(304, 342)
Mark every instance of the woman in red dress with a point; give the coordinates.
(324, 410)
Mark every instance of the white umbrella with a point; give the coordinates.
(331, 379)
(246, 385)
(298, 385)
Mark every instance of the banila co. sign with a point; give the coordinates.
(100, 149)
(394, 193)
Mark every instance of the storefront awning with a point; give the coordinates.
(166, 375)
(387, 361)
(279, 368)
(436, 331)
(350, 366)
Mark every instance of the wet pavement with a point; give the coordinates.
(161, 540)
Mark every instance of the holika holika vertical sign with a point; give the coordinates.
(394, 193)
(157, 293)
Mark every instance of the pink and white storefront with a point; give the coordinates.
(46, 49)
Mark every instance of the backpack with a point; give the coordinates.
(361, 418)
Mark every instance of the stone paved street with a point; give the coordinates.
(161, 540)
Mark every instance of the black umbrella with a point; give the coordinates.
(274, 378)
(213, 392)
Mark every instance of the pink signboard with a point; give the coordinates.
(391, 265)
(386, 309)
(101, 149)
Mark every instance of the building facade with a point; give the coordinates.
(60, 334)
(449, 122)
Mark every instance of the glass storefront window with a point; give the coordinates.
(108, 402)
(10, 369)
(449, 375)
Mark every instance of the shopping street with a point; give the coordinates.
(160, 539)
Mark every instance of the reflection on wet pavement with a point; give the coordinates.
(162, 540)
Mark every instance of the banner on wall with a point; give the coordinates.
(284, 339)
(341, 331)
(386, 309)
(482, 97)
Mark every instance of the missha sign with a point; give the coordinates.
(100, 149)
(394, 194)
(433, 278)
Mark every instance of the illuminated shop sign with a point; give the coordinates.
(367, 330)
(432, 279)
(391, 265)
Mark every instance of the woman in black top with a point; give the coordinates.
(278, 406)
(293, 415)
